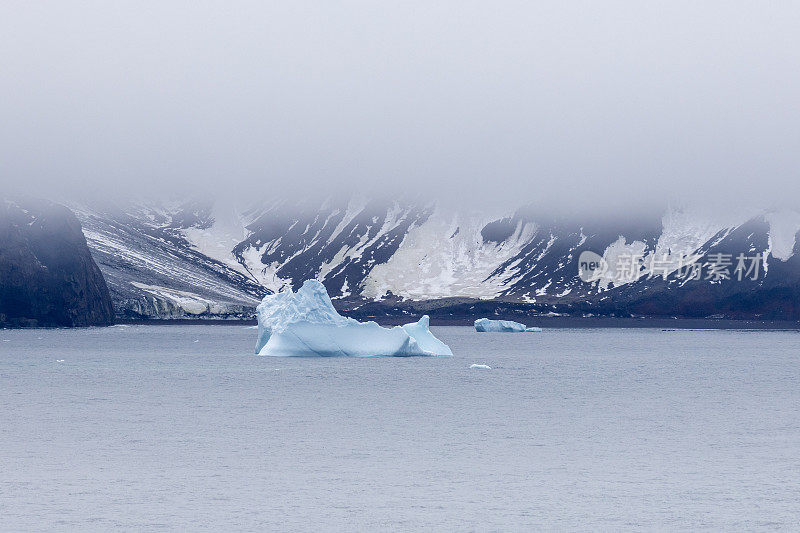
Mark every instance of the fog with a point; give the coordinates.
(568, 104)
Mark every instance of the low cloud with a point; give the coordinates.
(607, 105)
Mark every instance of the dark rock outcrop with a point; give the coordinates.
(47, 274)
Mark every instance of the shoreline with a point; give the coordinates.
(561, 322)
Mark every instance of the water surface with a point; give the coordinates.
(161, 427)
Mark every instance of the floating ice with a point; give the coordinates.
(505, 326)
(420, 332)
(305, 323)
(481, 367)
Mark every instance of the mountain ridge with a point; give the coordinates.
(195, 259)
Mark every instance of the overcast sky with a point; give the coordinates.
(560, 102)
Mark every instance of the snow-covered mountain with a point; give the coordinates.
(203, 259)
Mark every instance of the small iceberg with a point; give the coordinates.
(305, 323)
(504, 326)
(481, 367)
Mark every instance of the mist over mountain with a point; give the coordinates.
(579, 106)
(410, 152)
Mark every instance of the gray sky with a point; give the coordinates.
(558, 102)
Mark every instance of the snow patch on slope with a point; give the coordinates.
(684, 232)
(783, 228)
(624, 263)
(219, 240)
(347, 254)
(445, 257)
(189, 302)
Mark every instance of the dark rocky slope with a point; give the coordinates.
(47, 274)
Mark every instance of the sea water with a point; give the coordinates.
(180, 427)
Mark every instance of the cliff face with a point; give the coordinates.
(47, 274)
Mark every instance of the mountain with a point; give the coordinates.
(377, 258)
(154, 270)
(47, 274)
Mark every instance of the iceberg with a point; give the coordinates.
(420, 332)
(504, 326)
(305, 323)
(480, 367)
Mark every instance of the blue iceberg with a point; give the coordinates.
(305, 323)
(502, 326)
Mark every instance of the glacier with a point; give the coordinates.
(305, 323)
(503, 326)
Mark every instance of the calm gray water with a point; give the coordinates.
(179, 427)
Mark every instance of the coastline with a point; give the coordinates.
(561, 322)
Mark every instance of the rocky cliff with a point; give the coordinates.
(47, 274)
